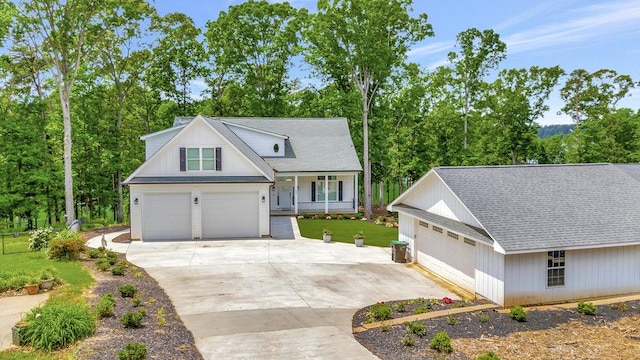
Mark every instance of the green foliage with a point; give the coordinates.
(441, 342)
(587, 308)
(489, 355)
(106, 305)
(518, 313)
(408, 341)
(94, 253)
(484, 318)
(66, 246)
(117, 270)
(132, 319)
(452, 320)
(421, 309)
(127, 290)
(40, 238)
(136, 301)
(102, 264)
(418, 328)
(399, 306)
(55, 326)
(379, 312)
(620, 307)
(160, 319)
(133, 351)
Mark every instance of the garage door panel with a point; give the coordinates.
(450, 258)
(230, 215)
(166, 216)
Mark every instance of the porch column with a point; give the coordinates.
(295, 194)
(355, 192)
(326, 194)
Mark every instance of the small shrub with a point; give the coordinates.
(452, 320)
(620, 307)
(132, 319)
(102, 264)
(433, 302)
(128, 290)
(137, 274)
(517, 313)
(484, 318)
(385, 328)
(441, 342)
(399, 306)
(160, 320)
(136, 301)
(94, 253)
(40, 238)
(133, 351)
(587, 308)
(106, 305)
(408, 341)
(489, 355)
(421, 309)
(54, 326)
(117, 270)
(418, 328)
(379, 312)
(66, 248)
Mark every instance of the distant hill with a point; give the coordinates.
(550, 130)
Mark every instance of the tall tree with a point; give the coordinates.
(479, 52)
(254, 43)
(360, 42)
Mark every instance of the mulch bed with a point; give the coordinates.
(386, 342)
(168, 341)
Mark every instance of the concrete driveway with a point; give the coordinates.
(277, 299)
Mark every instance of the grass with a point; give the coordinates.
(343, 231)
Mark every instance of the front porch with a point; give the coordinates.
(314, 193)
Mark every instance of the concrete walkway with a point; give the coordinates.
(11, 311)
(96, 242)
(277, 299)
(281, 228)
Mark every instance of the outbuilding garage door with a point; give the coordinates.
(230, 215)
(166, 216)
(447, 254)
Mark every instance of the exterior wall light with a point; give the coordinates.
(263, 199)
(195, 200)
(135, 201)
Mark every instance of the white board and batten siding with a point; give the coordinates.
(489, 273)
(232, 204)
(407, 232)
(262, 143)
(588, 273)
(199, 134)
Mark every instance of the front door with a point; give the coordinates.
(284, 197)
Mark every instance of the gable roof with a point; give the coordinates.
(539, 207)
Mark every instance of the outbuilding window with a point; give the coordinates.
(555, 268)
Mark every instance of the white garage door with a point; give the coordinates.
(451, 258)
(230, 215)
(166, 216)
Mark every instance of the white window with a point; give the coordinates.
(332, 193)
(555, 268)
(201, 159)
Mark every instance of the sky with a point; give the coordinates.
(574, 34)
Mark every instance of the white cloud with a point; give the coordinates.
(429, 49)
(543, 7)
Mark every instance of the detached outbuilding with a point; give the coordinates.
(527, 234)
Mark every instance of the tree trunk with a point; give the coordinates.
(381, 192)
(65, 90)
(368, 202)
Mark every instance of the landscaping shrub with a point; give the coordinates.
(117, 270)
(620, 307)
(587, 308)
(422, 309)
(489, 355)
(102, 264)
(417, 327)
(379, 312)
(160, 320)
(517, 313)
(67, 245)
(452, 320)
(94, 253)
(128, 290)
(441, 342)
(106, 305)
(132, 319)
(484, 318)
(399, 306)
(136, 301)
(55, 326)
(112, 260)
(133, 351)
(408, 341)
(40, 238)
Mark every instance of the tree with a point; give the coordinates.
(253, 43)
(480, 52)
(358, 43)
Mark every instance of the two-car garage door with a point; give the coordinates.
(171, 216)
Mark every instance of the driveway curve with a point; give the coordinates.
(277, 299)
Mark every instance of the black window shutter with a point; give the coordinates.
(218, 159)
(183, 159)
(339, 190)
(313, 191)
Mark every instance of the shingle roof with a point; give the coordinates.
(196, 179)
(527, 208)
(314, 144)
(632, 170)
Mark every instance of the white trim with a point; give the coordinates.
(295, 192)
(145, 137)
(254, 129)
(572, 248)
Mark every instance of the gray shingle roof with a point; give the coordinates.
(528, 208)
(632, 170)
(196, 179)
(317, 144)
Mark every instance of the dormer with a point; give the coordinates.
(264, 143)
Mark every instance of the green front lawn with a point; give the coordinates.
(343, 231)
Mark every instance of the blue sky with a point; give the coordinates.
(574, 34)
